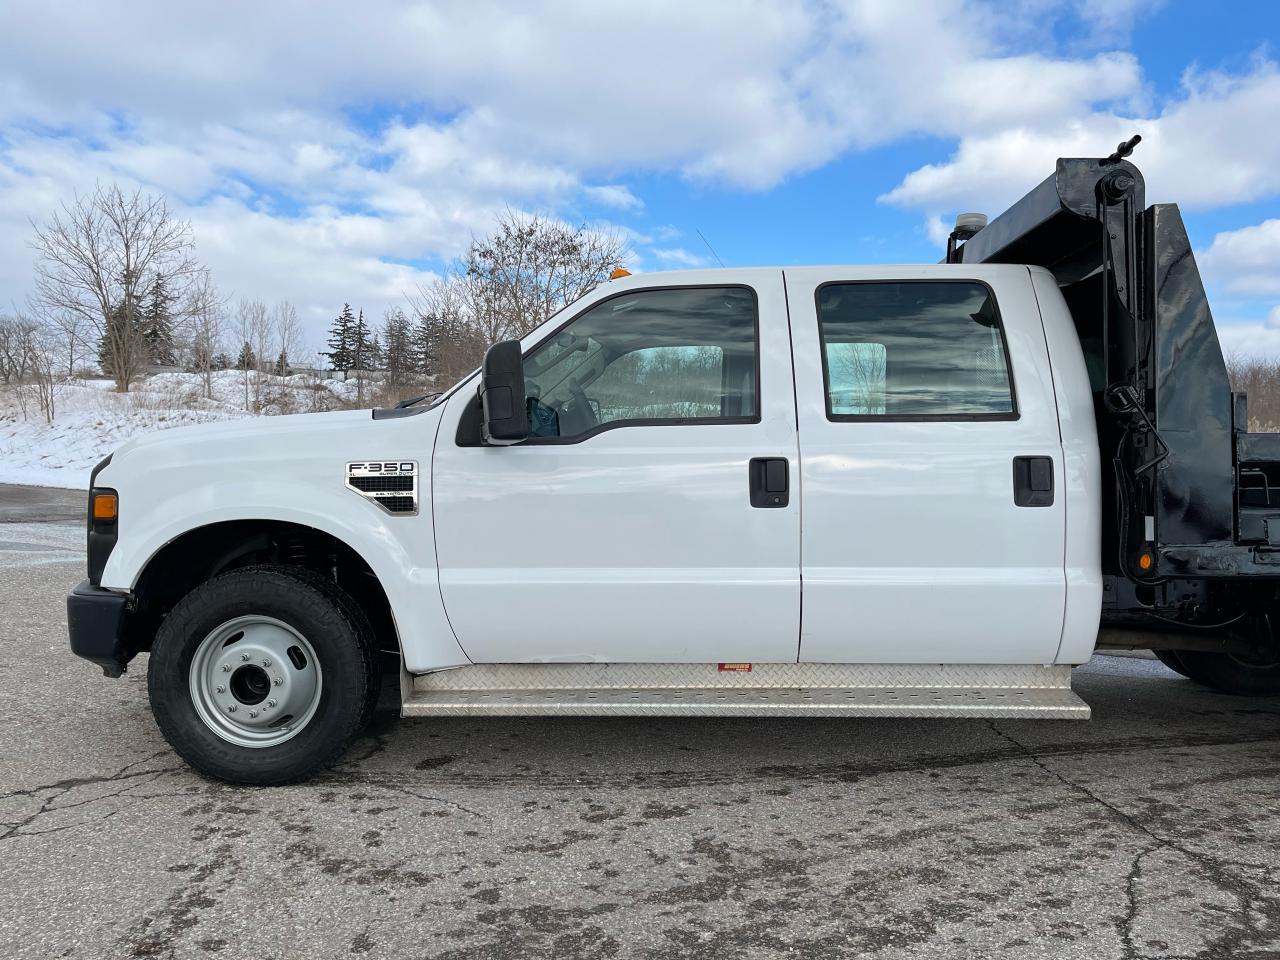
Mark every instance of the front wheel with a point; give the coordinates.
(263, 675)
(1230, 674)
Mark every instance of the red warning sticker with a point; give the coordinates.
(734, 667)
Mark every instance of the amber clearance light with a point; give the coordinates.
(106, 506)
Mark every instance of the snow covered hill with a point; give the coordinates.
(92, 419)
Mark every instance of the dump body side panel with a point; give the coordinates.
(1195, 487)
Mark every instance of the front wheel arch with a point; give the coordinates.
(204, 552)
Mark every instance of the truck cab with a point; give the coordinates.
(845, 490)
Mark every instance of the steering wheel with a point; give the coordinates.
(587, 413)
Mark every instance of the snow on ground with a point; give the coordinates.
(92, 419)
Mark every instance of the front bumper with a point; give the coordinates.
(97, 620)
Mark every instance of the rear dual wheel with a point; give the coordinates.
(1231, 674)
(263, 675)
(1170, 659)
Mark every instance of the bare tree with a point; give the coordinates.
(447, 343)
(207, 311)
(99, 258)
(530, 267)
(75, 335)
(255, 333)
(1259, 377)
(42, 368)
(288, 335)
(527, 269)
(29, 361)
(13, 354)
(857, 373)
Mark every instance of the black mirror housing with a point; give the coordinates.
(502, 394)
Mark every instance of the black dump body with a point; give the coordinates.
(1196, 497)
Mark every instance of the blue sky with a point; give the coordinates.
(335, 152)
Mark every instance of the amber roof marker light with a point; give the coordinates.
(619, 273)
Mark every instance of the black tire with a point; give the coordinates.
(334, 626)
(1173, 660)
(1227, 674)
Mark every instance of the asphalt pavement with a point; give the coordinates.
(1152, 830)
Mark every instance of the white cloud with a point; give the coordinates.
(1107, 18)
(1205, 148)
(676, 258)
(321, 152)
(1249, 338)
(1246, 261)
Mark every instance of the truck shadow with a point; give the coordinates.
(1140, 712)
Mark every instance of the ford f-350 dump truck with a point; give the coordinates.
(839, 491)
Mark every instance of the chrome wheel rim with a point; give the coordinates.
(255, 681)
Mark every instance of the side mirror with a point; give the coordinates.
(502, 394)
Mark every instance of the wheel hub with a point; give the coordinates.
(255, 681)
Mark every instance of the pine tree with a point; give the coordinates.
(341, 351)
(121, 351)
(221, 361)
(398, 349)
(247, 359)
(360, 343)
(282, 364)
(157, 323)
(360, 353)
(424, 345)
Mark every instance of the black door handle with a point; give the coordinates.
(1033, 481)
(769, 481)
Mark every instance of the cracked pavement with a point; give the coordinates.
(1151, 831)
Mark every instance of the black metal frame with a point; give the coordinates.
(1176, 436)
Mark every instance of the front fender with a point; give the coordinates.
(400, 550)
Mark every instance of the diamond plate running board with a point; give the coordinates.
(780, 690)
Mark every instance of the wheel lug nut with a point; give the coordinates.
(244, 657)
(277, 681)
(253, 713)
(222, 689)
(271, 703)
(226, 668)
(231, 709)
(266, 661)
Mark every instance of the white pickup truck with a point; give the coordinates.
(837, 491)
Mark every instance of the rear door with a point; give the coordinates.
(931, 467)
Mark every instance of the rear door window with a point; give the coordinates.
(914, 350)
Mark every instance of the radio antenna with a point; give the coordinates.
(709, 247)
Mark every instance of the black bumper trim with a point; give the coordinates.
(96, 623)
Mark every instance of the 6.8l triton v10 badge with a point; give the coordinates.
(391, 484)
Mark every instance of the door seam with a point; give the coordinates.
(795, 409)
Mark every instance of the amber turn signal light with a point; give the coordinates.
(1146, 561)
(106, 506)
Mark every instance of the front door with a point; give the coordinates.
(929, 435)
(624, 529)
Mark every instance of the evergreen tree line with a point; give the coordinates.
(430, 347)
(506, 284)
